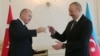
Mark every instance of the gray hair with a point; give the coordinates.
(78, 5)
(24, 10)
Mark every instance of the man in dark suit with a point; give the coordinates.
(21, 36)
(77, 33)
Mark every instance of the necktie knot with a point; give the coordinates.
(74, 22)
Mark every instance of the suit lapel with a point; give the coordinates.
(78, 23)
(24, 27)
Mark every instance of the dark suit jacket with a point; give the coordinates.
(20, 39)
(77, 38)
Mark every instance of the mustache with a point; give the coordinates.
(72, 15)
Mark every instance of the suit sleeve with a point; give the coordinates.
(33, 33)
(62, 37)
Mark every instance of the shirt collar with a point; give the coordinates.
(79, 17)
(22, 21)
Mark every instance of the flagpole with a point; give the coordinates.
(86, 1)
(10, 1)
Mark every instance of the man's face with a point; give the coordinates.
(26, 17)
(74, 12)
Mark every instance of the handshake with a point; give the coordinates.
(43, 29)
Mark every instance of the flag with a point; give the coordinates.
(93, 43)
(6, 37)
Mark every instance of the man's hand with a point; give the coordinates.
(58, 46)
(41, 29)
(51, 30)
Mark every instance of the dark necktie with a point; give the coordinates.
(73, 24)
(25, 26)
(28, 33)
